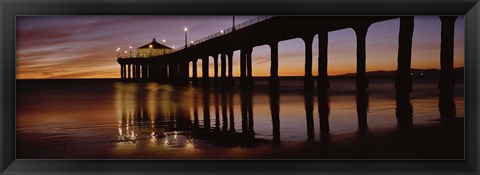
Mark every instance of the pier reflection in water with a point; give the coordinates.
(166, 122)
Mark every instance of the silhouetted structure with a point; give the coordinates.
(173, 67)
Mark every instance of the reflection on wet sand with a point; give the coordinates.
(160, 112)
(165, 122)
(142, 118)
(274, 99)
(362, 110)
(404, 110)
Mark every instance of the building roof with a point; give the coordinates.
(155, 45)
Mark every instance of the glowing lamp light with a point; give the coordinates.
(221, 31)
(150, 46)
(185, 29)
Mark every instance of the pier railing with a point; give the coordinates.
(227, 31)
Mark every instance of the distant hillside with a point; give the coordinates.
(415, 72)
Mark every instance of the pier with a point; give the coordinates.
(174, 67)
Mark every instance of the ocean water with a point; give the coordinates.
(109, 119)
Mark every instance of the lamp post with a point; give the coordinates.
(185, 36)
(164, 47)
(125, 54)
(150, 55)
(221, 31)
(233, 25)
(118, 54)
(130, 51)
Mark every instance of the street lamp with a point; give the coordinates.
(118, 54)
(185, 37)
(125, 54)
(164, 47)
(191, 43)
(221, 31)
(130, 51)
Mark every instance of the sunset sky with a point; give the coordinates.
(85, 46)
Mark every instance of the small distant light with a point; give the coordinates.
(221, 31)
(173, 47)
(185, 29)
(421, 74)
(411, 73)
(125, 51)
(130, 47)
(191, 42)
(164, 40)
(150, 46)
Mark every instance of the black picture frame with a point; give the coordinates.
(9, 9)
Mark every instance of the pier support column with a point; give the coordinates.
(446, 81)
(248, 57)
(243, 67)
(215, 68)
(323, 83)
(144, 71)
(194, 72)
(137, 71)
(125, 71)
(129, 71)
(205, 78)
(361, 79)
(121, 71)
(308, 79)
(403, 79)
(134, 71)
(230, 67)
(274, 82)
(164, 69)
(175, 73)
(170, 72)
(122, 77)
(148, 69)
(223, 70)
(186, 72)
